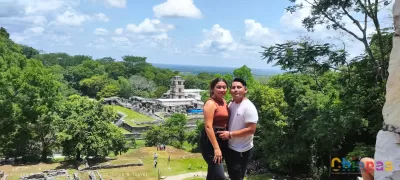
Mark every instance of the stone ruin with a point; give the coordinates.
(2, 175)
(150, 107)
(109, 166)
(46, 175)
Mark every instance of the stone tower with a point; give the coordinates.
(177, 87)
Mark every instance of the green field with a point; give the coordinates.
(179, 163)
(131, 116)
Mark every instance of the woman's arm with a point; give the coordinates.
(208, 111)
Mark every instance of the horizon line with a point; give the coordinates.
(271, 68)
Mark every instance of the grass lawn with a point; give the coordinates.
(132, 116)
(124, 131)
(195, 178)
(179, 164)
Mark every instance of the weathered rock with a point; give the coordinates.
(386, 148)
(110, 166)
(36, 176)
(391, 109)
(76, 177)
(54, 173)
(92, 176)
(99, 175)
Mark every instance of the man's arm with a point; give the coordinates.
(250, 129)
(251, 119)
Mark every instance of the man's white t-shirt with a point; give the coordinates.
(240, 114)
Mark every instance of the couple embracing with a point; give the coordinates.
(229, 130)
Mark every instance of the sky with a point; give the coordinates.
(189, 32)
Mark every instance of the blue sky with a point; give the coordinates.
(193, 32)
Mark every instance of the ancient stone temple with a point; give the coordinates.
(387, 147)
(177, 90)
(176, 100)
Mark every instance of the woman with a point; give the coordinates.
(216, 117)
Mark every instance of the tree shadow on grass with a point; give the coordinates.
(69, 164)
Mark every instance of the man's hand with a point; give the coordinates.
(223, 134)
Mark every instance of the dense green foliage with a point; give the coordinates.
(171, 133)
(41, 111)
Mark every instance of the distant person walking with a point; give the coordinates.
(216, 117)
(242, 126)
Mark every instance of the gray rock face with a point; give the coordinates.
(92, 176)
(46, 175)
(37, 176)
(391, 109)
(386, 148)
(108, 166)
(76, 177)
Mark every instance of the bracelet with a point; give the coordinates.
(230, 135)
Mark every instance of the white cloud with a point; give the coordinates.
(36, 30)
(216, 40)
(149, 27)
(258, 35)
(98, 43)
(116, 3)
(71, 18)
(74, 18)
(101, 17)
(119, 31)
(40, 6)
(121, 42)
(100, 31)
(293, 21)
(177, 8)
(220, 41)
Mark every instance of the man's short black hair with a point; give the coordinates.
(240, 80)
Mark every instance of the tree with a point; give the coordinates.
(93, 85)
(141, 86)
(172, 132)
(135, 64)
(4, 33)
(116, 69)
(175, 126)
(332, 14)
(29, 52)
(244, 72)
(29, 93)
(125, 87)
(306, 57)
(156, 135)
(193, 137)
(85, 129)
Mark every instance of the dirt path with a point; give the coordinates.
(187, 175)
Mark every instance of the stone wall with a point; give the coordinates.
(107, 166)
(49, 174)
(145, 106)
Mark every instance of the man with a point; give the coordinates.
(242, 126)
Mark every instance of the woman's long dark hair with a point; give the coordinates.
(214, 83)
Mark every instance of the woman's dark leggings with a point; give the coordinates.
(215, 170)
